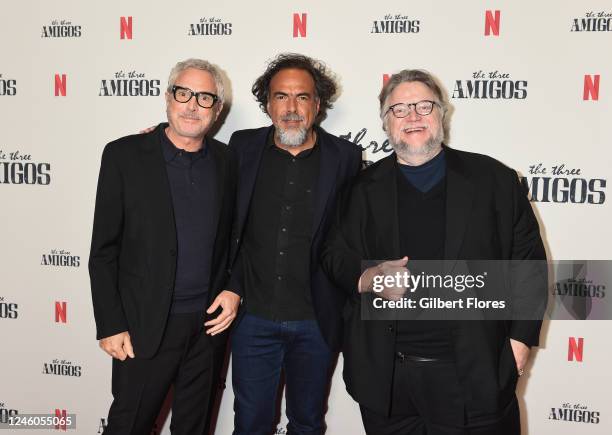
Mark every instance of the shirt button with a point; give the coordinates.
(281, 253)
(390, 328)
(287, 207)
(307, 190)
(291, 183)
(284, 230)
(280, 278)
(292, 160)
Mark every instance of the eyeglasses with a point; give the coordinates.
(423, 108)
(204, 99)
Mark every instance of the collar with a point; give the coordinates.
(170, 151)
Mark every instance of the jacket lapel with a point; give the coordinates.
(459, 199)
(383, 202)
(247, 173)
(220, 176)
(328, 170)
(156, 180)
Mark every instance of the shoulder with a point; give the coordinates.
(240, 137)
(375, 172)
(476, 163)
(128, 145)
(345, 147)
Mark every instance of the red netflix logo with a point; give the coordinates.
(125, 27)
(60, 85)
(61, 310)
(575, 349)
(61, 418)
(299, 25)
(492, 23)
(591, 87)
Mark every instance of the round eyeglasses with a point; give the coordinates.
(423, 108)
(204, 99)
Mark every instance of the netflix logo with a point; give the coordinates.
(575, 349)
(591, 87)
(125, 28)
(60, 82)
(492, 23)
(61, 312)
(300, 21)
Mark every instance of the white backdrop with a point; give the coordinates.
(50, 148)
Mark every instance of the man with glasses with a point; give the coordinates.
(159, 249)
(427, 201)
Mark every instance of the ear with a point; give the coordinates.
(318, 105)
(218, 110)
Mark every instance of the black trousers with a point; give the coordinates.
(186, 359)
(428, 400)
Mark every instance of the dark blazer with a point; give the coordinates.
(132, 263)
(488, 217)
(340, 161)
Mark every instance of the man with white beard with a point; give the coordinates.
(289, 175)
(429, 202)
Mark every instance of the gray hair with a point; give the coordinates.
(202, 65)
(412, 75)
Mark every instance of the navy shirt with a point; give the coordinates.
(427, 175)
(192, 180)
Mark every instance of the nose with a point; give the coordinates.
(192, 104)
(292, 105)
(413, 115)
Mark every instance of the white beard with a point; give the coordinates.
(405, 150)
(292, 137)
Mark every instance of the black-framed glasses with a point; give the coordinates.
(204, 99)
(423, 108)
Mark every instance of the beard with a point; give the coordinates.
(292, 137)
(406, 150)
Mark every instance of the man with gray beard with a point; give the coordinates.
(289, 175)
(429, 202)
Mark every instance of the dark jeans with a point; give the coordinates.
(260, 350)
(428, 400)
(187, 359)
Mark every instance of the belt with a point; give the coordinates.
(403, 357)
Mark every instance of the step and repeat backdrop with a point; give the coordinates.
(529, 84)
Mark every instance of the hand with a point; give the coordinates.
(521, 354)
(118, 346)
(148, 130)
(229, 301)
(387, 268)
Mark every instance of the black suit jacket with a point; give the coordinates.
(132, 263)
(488, 217)
(340, 161)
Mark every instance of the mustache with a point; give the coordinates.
(292, 117)
(190, 116)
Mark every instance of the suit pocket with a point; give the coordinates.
(508, 373)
